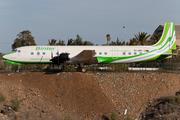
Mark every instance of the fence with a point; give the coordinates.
(169, 65)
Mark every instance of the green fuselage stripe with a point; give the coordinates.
(20, 62)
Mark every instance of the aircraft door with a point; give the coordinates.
(115, 53)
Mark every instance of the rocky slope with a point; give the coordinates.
(83, 96)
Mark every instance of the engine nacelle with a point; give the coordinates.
(60, 59)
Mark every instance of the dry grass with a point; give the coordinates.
(2, 97)
(113, 116)
(15, 104)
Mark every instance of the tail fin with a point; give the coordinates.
(167, 42)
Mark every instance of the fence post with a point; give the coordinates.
(159, 67)
(145, 66)
(172, 65)
(12, 67)
(22, 67)
(4, 66)
(177, 69)
(152, 65)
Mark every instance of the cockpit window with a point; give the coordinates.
(14, 50)
(19, 51)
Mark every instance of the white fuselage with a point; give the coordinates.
(32, 54)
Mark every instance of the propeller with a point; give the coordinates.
(51, 55)
(57, 52)
(58, 57)
(52, 60)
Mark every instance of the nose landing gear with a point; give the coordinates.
(18, 69)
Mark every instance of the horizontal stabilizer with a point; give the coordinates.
(169, 54)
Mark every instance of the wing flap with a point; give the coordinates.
(86, 56)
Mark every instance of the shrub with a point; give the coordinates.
(166, 108)
(2, 97)
(174, 100)
(113, 116)
(128, 117)
(67, 118)
(15, 104)
(1, 66)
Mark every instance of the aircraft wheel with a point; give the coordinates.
(84, 70)
(17, 71)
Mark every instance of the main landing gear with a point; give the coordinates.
(81, 68)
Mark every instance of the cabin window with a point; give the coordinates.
(100, 53)
(14, 50)
(124, 53)
(38, 53)
(44, 53)
(32, 53)
(19, 51)
(57, 53)
(135, 53)
(140, 53)
(105, 53)
(129, 53)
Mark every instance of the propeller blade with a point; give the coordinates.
(57, 51)
(51, 55)
(50, 66)
(53, 66)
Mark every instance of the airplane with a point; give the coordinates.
(86, 55)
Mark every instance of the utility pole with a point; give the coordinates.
(124, 34)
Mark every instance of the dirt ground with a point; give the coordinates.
(84, 96)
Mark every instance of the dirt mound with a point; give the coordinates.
(85, 95)
(55, 96)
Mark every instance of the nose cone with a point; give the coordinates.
(8, 56)
(5, 57)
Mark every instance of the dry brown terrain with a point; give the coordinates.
(84, 96)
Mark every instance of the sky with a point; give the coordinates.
(92, 20)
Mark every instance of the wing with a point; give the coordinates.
(86, 57)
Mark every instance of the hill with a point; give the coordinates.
(84, 96)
